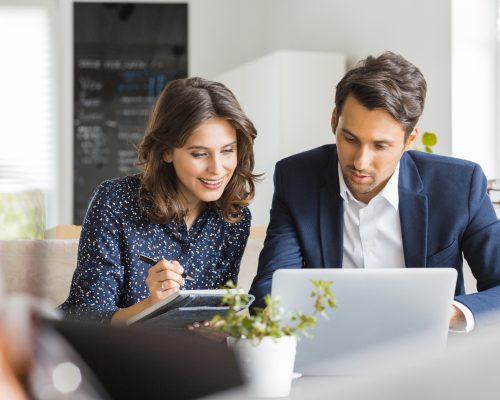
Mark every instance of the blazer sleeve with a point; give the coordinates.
(481, 248)
(281, 246)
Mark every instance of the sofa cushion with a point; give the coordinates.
(43, 268)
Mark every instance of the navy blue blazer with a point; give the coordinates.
(444, 209)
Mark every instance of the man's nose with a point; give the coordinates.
(362, 159)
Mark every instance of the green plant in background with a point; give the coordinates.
(429, 139)
(267, 322)
(22, 215)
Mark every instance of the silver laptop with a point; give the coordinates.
(375, 308)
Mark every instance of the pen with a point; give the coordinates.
(150, 261)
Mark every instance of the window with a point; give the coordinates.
(28, 128)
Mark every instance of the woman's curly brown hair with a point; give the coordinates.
(183, 105)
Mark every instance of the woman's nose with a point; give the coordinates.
(216, 167)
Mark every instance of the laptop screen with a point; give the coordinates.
(374, 307)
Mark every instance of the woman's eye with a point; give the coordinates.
(231, 150)
(198, 155)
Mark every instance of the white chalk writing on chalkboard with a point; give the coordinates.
(89, 84)
(89, 64)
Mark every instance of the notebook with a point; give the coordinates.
(186, 306)
(375, 307)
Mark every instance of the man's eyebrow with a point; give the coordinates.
(381, 141)
(345, 130)
(206, 148)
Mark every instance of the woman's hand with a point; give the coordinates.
(163, 279)
(204, 329)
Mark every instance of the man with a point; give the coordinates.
(368, 202)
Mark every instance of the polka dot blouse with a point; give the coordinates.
(109, 274)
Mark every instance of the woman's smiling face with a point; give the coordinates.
(205, 164)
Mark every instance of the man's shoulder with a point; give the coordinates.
(313, 158)
(425, 161)
(441, 172)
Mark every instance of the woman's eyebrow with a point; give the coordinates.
(207, 148)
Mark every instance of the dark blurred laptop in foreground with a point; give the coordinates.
(146, 363)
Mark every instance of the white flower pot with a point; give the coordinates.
(267, 365)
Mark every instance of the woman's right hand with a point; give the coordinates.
(163, 279)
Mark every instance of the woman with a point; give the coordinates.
(187, 209)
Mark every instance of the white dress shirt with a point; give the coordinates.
(372, 232)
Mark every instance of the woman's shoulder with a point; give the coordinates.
(246, 215)
(121, 187)
(217, 217)
(122, 183)
(241, 226)
(118, 195)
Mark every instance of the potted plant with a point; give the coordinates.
(265, 341)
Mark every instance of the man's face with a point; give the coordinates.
(370, 144)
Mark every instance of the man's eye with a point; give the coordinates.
(349, 139)
(380, 146)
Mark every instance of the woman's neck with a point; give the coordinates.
(193, 212)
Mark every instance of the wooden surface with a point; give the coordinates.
(63, 232)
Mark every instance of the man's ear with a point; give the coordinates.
(411, 139)
(167, 156)
(334, 121)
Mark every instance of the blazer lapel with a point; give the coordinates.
(331, 217)
(413, 213)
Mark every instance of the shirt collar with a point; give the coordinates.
(389, 192)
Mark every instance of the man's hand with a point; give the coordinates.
(457, 320)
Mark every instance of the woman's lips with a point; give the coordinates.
(212, 184)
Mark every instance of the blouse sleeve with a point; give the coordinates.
(99, 274)
(236, 243)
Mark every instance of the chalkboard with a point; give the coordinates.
(124, 54)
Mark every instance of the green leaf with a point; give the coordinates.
(266, 322)
(429, 139)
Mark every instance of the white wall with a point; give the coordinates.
(420, 31)
(288, 96)
(227, 33)
(475, 85)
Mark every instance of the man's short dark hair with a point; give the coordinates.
(388, 82)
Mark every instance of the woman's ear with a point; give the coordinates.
(167, 156)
